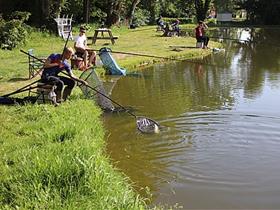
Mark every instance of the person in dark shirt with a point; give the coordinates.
(54, 64)
(200, 34)
(175, 27)
(160, 22)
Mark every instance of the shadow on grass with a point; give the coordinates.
(18, 79)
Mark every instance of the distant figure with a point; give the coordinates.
(167, 31)
(200, 34)
(160, 23)
(81, 48)
(175, 26)
(54, 64)
(102, 25)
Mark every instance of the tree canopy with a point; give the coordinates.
(112, 11)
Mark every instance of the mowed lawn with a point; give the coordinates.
(144, 40)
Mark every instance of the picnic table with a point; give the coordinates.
(101, 32)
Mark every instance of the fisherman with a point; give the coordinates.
(200, 34)
(54, 64)
(82, 50)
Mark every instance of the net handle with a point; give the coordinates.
(136, 117)
(94, 89)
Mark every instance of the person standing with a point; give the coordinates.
(81, 48)
(55, 64)
(200, 34)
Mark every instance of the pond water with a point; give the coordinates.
(220, 141)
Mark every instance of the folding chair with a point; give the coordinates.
(35, 66)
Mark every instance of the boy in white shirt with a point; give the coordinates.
(81, 48)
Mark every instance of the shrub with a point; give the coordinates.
(13, 32)
(182, 20)
(212, 22)
(141, 17)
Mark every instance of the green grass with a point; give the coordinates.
(144, 40)
(53, 158)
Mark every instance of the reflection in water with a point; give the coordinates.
(220, 142)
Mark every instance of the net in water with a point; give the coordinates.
(147, 125)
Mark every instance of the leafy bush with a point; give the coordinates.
(141, 17)
(18, 15)
(13, 32)
(212, 22)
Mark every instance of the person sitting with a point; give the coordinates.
(200, 34)
(160, 23)
(166, 30)
(175, 27)
(55, 64)
(82, 50)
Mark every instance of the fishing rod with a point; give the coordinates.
(82, 84)
(104, 95)
(145, 55)
(144, 124)
(85, 85)
(159, 57)
(65, 45)
(41, 60)
(24, 88)
(21, 89)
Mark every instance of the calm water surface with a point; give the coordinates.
(220, 145)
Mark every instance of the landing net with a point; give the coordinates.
(93, 81)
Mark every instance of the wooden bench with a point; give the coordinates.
(114, 37)
(102, 31)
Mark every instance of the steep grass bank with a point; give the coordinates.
(53, 158)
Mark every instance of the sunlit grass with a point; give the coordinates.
(144, 40)
(53, 158)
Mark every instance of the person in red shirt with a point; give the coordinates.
(200, 33)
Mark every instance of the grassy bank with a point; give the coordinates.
(145, 40)
(53, 158)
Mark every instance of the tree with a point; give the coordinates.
(261, 11)
(113, 10)
(201, 7)
(86, 9)
(153, 7)
(225, 5)
(131, 10)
